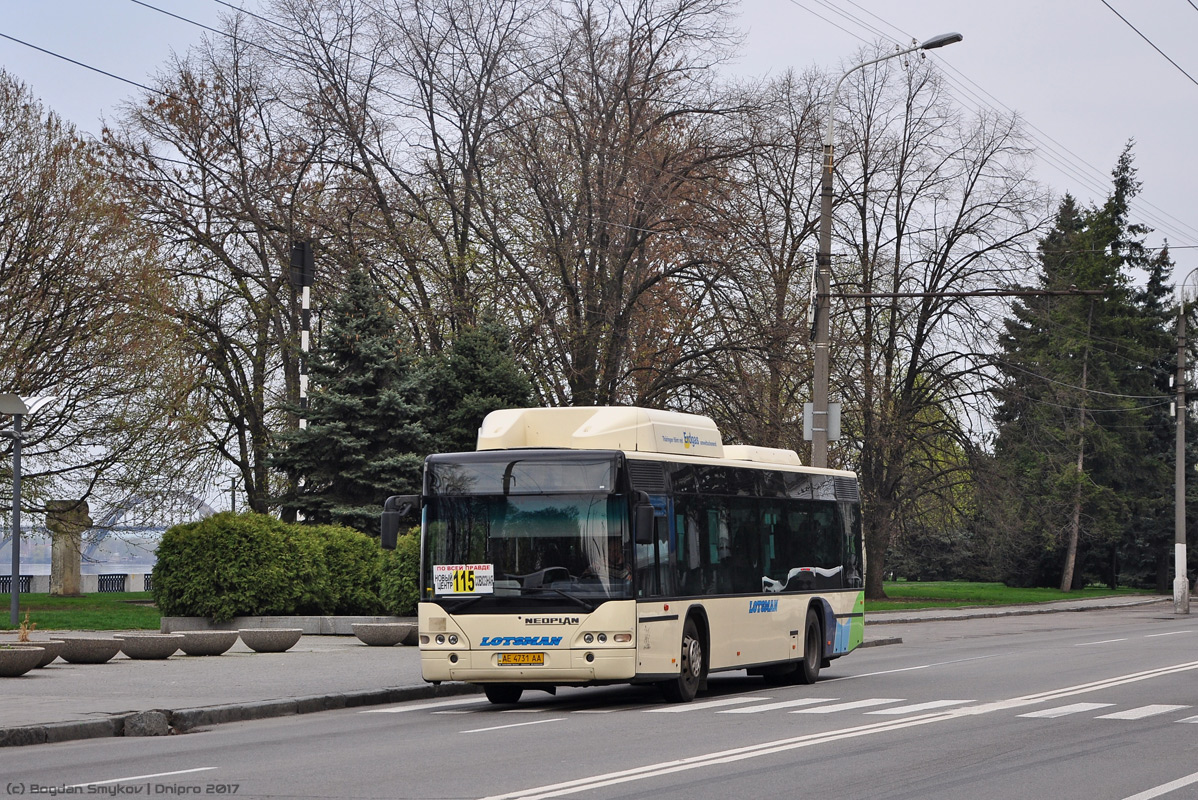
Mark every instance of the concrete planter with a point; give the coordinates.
(17, 659)
(51, 650)
(385, 634)
(270, 640)
(150, 645)
(207, 643)
(90, 650)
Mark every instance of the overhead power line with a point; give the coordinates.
(78, 63)
(1051, 152)
(1150, 42)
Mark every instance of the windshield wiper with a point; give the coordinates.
(576, 600)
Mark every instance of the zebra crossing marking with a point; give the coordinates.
(1063, 711)
(850, 706)
(1142, 712)
(805, 701)
(918, 707)
(724, 701)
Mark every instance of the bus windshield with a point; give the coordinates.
(546, 546)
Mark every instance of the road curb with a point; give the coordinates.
(951, 615)
(184, 720)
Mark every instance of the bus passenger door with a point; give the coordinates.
(659, 627)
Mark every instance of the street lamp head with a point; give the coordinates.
(16, 404)
(941, 41)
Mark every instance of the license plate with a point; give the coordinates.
(521, 659)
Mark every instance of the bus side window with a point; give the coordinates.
(850, 518)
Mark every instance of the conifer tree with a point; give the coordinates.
(1080, 438)
(475, 376)
(365, 437)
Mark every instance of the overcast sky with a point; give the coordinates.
(1081, 78)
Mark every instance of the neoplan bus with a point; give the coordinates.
(589, 546)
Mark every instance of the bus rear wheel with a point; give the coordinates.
(503, 694)
(813, 650)
(693, 663)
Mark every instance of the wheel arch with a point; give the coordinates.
(827, 622)
(699, 614)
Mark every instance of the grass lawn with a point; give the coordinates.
(113, 611)
(954, 594)
(110, 611)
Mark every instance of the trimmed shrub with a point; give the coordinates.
(355, 568)
(304, 560)
(232, 565)
(225, 566)
(400, 588)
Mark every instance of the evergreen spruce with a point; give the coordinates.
(365, 438)
(477, 375)
(1081, 441)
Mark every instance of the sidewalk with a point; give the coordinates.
(127, 697)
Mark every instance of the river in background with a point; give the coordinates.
(128, 551)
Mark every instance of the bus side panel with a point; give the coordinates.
(760, 629)
(850, 624)
(658, 640)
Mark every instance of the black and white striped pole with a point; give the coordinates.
(302, 270)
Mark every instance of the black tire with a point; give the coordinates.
(813, 650)
(503, 694)
(693, 666)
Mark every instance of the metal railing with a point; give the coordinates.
(22, 586)
(111, 583)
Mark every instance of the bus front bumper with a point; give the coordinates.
(576, 666)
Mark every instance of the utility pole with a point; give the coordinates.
(1181, 581)
(821, 340)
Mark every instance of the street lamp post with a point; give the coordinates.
(19, 408)
(1181, 581)
(823, 274)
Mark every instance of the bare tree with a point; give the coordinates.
(612, 162)
(760, 378)
(79, 320)
(212, 168)
(935, 204)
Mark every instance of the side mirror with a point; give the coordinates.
(643, 514)
(395, 510)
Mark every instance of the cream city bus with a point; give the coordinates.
(589, 546)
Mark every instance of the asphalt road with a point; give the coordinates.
(1100, 705)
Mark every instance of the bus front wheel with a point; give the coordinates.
(813, 650)
(684, 688)
(503, 694)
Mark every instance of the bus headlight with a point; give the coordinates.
(453, 638)
(588, 638)
(440, 638)
(602, 638)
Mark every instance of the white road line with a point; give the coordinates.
(725, 701)
(141, 777)
(810, 740)
(1170, 633)
(1142, 712)
(515, 725)
(1104, 641)
(832, 709)
(451, 712)
(902, 669)
(1165, 788)
(805, 701)
(524, 711)
(424, 706)
(1189, 719)
(920, 707)
(1064, 711)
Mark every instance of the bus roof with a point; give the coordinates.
(624, 428)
